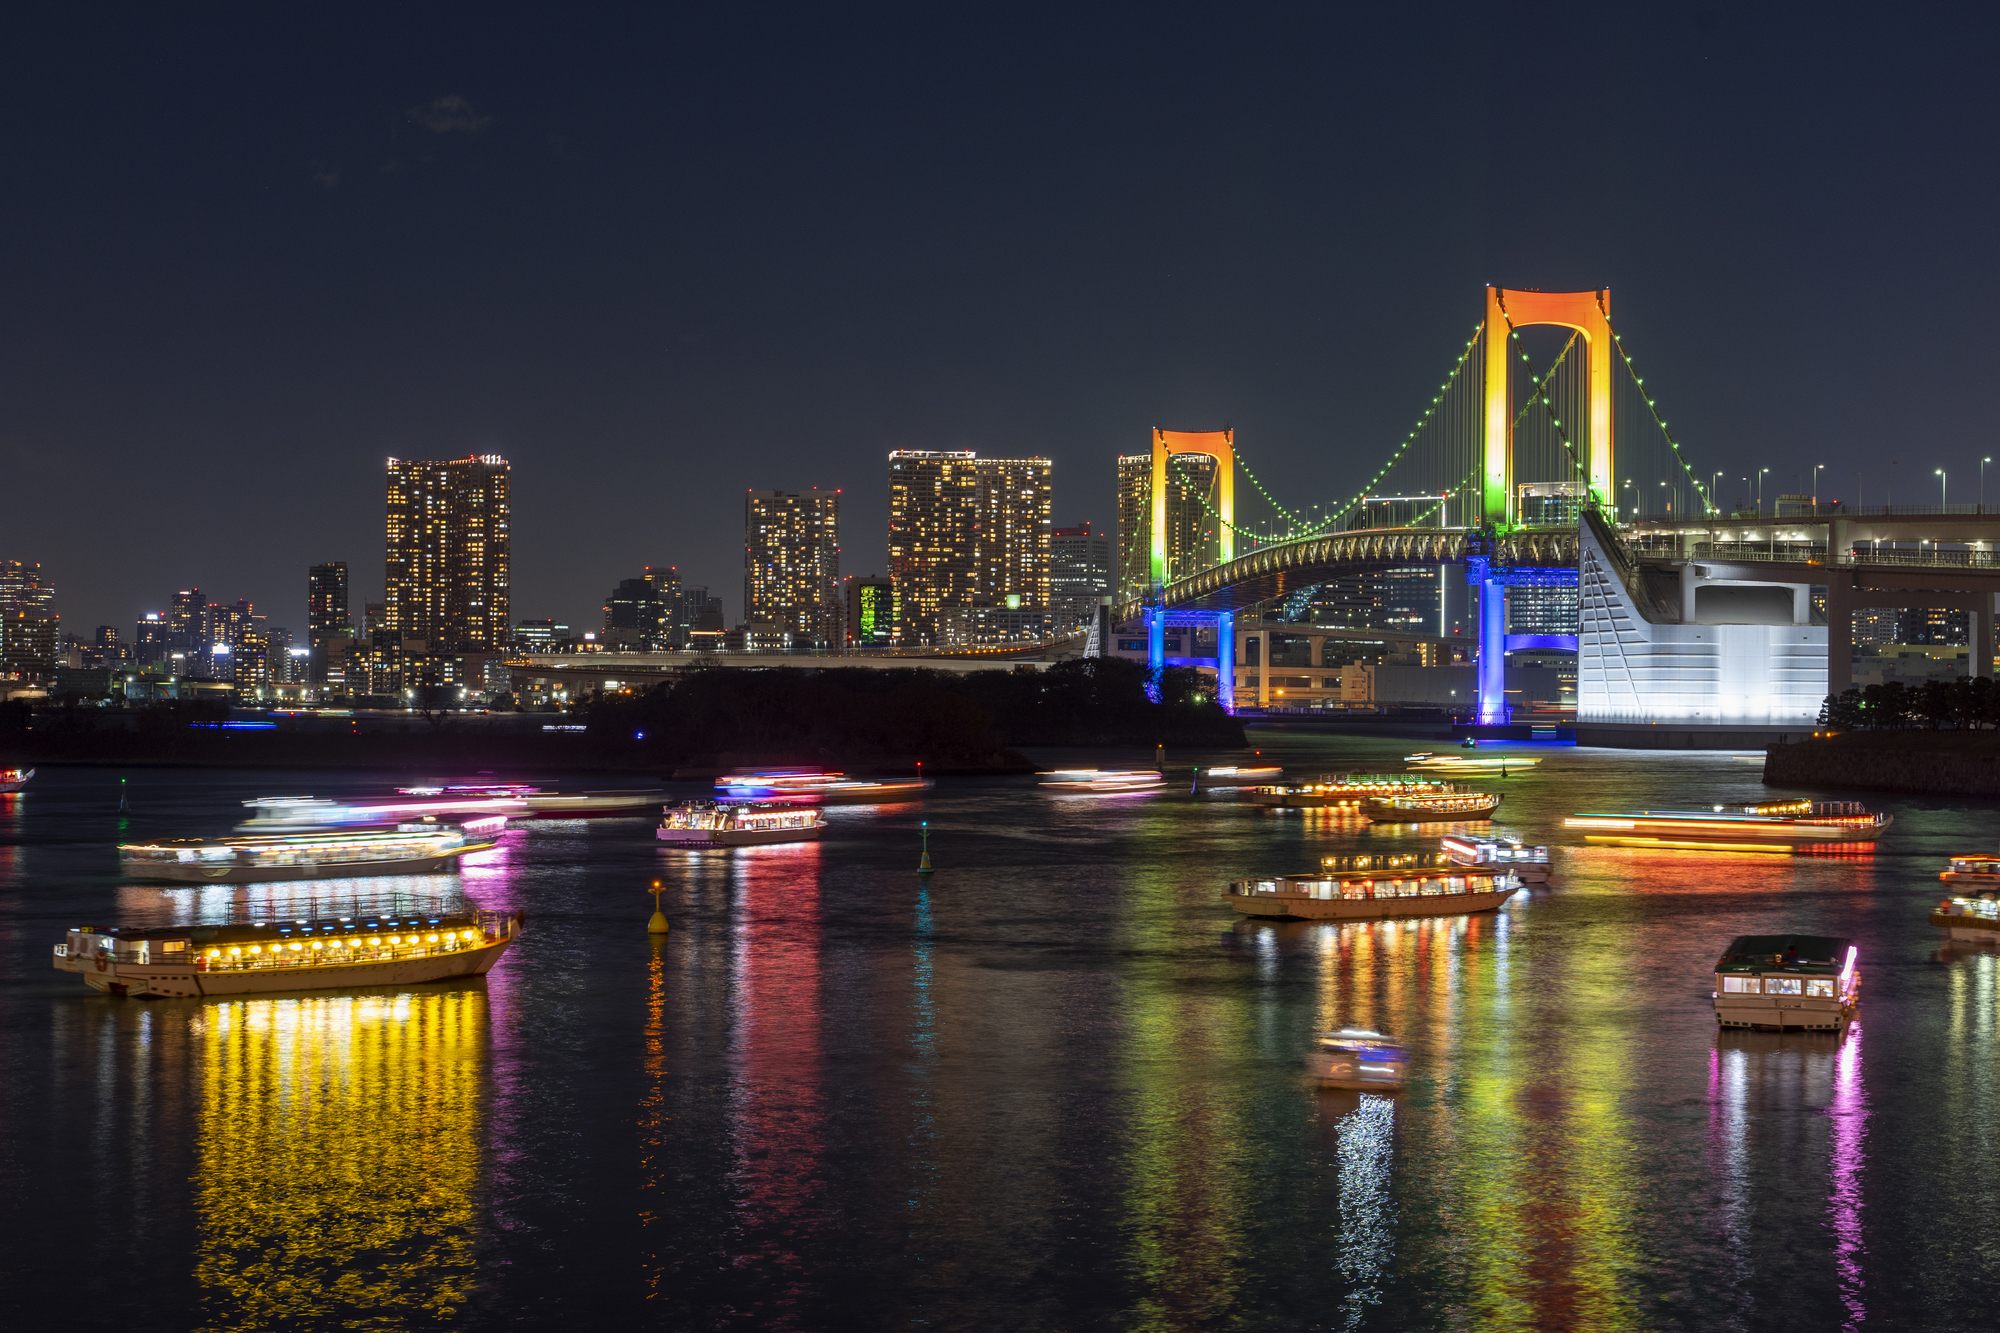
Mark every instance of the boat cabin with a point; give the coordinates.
(1807, 982)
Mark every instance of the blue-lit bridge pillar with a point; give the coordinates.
(1156, 645)
(1490, 682)
(1225, 661)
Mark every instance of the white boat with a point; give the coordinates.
(297, 814)
(1358, 1059)
(13, 779)
(1237, 776)
(1969, 920)
(183, 962)
(1529, 864)
(592, 804)
(1375, 887)
(420, 848)
(717, 824)
(1787, 981)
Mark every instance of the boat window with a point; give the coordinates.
(1740, 985)
(1784, 986)
(1823, 989)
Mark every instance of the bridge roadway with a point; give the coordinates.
(1285, 567)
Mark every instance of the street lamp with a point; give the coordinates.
(1941, 481)
(1815, 486)
(1982, 483)
(1714, 488)
(1760, 490)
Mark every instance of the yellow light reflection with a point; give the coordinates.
(339, 1158)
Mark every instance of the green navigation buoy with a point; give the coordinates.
(924, 829)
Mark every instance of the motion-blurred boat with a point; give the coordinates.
(179, 962)
(1103, 779)
(1453, 763)
(1777, 826)
(1529, 864)
(1358, 1059)
(420, 848)
(828, 788)
(1227, 776)
(1787, 981)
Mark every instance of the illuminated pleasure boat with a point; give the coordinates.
(1974, 919)
(1103, 779)
(285, 814)
(1529, 864)
(13, 779)
(1452, 763)
(1972, 870)
(1449, 806)
(1787, 981)
(720, 824)
(421, 848)
(1778, 826)
(180, 962)
(1370, 887)
(1345, 790)
(1358, 1059)
(827, 788)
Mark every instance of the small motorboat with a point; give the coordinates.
(13, 779)
(1237, 776)
(1103, 779)
(1358, 1059)
(1787, 981)
(1972, 870)
(1529, 864)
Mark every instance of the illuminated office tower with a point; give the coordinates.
(1079, 573)
(1193, 530)
(871, 611)
(149, 639)
(184, 621)
(327, 617)
(965, 534)
(791, 564)
(447, 575)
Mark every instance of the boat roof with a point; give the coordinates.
(1755, 952)
(225, 932)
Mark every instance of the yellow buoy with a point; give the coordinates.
(658, 925)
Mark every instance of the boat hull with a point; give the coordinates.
(884, 794)
(1301, 801)
(1382, 812)
(704, 837)
(1342, 1069)
(639, 805)
(1302, 907)
(176, 981)
(1966, 928)
(1782, 1013)
(198, 873)
(15, 784)
(1695, 834)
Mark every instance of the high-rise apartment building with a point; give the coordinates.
(1193, 530)
(965, 533)
(327, 617)
(1079, 573)
(791, 564)
(30, 629)
(184, 620)
(447, 568)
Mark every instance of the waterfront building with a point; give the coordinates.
(1079, 573)
(448, 575)
(870, 600)
(791, 564)
(539, 636)
(30, 628)
(327, 615)
(1542, 609)
(1193, 530)
(965, 532)
(1924, 626)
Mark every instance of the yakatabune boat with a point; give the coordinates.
(1972, 870)
(1345, 790)
(179, 962)
(1777, 826)
(1443, 807)
(13, 779)
(1370, 887)
(713, 824)
(420, 848)
(1969, 920)
(1358, 1059)
(1787, 981)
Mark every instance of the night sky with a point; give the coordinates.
(656, 256)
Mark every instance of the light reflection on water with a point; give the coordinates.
(1056, 1085)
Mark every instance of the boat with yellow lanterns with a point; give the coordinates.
(419, 848)
(384, 949)
(1439, 807)
(1775, 826)
(1372, 886)
(1346, 790)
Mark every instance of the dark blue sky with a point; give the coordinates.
(656, 256)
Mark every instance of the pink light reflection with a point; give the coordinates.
(1849, 1112)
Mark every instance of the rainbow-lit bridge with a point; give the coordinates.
(1687, 615)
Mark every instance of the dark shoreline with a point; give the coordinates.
(1940, 763)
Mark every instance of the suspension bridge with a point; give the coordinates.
(1564, 472)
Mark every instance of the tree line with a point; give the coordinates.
(1965, 703)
